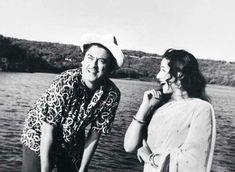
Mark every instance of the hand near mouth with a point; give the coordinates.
(151, 98)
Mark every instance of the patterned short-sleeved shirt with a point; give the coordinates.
(67, 107)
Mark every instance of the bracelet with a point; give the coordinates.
(151, 160)
(139, 121)
(154, 161)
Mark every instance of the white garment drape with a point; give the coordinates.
(183, 133)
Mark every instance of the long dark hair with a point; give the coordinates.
(192, 80)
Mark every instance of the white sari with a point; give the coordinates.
(183, 133)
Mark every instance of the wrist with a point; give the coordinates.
(139, 120)
(142, 112)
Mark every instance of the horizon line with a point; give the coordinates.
(73, 44)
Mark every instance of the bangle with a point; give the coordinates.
(139, 121)
(151, 160)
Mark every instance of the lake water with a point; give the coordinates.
(19, 91)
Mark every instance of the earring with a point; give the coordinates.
(178, 84)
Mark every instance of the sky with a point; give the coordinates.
(206, 28)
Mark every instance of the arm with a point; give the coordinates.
(51, 106)
(90, 147)
(134, 133)
(45, 146)
(102, 124)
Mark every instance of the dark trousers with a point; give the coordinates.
(31, 163)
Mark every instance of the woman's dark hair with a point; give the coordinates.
(192, 80)
(113, 62)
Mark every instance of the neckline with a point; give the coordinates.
(183, 99)
(171, 102)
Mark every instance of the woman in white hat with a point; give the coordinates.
(180, 134)
(54, 131)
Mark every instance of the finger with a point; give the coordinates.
(140, 159)
(139, 155)
(149, 94)
(157, 94)
(145, 144)
(154, 93)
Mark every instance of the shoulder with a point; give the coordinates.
(65, 81)
(71, 73)
(112, 87)
(201, 104)
(68, 77)
(203, 108)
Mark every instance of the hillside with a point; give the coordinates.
(19, 55)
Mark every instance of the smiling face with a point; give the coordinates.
(95, 65)
(163, 76)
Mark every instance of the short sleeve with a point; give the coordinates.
(104, 121)
(51, 104)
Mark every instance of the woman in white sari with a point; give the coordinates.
(174, 129)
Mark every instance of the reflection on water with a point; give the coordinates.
(18, 92)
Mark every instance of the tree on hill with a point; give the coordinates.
(32, 56)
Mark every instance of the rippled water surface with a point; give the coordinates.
(18, 92)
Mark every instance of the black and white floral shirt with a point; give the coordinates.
(67, 107)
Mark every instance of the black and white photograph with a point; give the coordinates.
(117, 86)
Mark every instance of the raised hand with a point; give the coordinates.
(151, 98)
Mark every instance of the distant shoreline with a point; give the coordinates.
(217, 86)
(18, 55)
